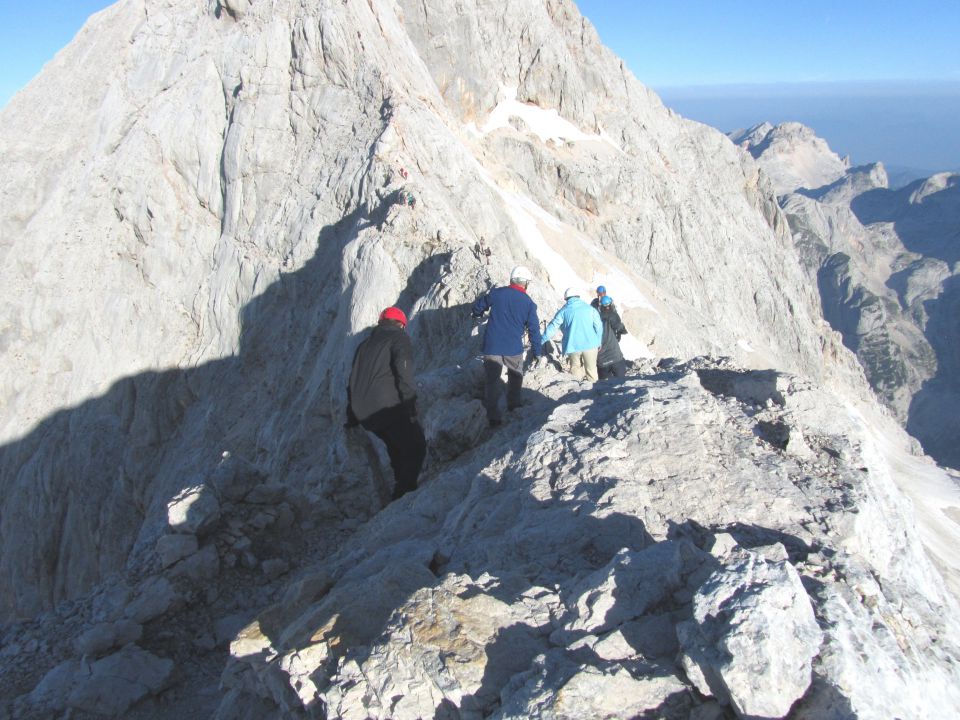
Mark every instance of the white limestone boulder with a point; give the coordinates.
(559, 688)
(624, 590)
(753, 637)
(194, 510)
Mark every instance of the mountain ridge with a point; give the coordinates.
(213, 244)
(884, 261)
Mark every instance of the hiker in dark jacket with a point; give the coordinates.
(512, 313)
(610, 362)
(382, 397)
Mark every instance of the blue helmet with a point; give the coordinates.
(606, 300)
(601, 290)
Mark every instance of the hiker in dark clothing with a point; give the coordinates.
(511, 313)
(610, 362)
(382, 397)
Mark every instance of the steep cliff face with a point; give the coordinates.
(205, 239)
(885, 262)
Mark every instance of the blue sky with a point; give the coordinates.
(723, 63)
(705, 42)
(31, 33)
(879, 80)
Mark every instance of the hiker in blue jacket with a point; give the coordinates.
(582, 335)
(512, 313)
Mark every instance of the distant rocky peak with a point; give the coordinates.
(854, 183)
(936, 184)
(752, 137)
(792, 155)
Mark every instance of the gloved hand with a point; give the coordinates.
(475, 328)
(538, 362)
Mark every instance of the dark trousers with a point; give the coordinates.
(616, 369)
(406, 445)
(493, 366)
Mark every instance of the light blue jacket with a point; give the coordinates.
(581, 326)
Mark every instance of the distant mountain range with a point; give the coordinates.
(909, 126)
(885, 260)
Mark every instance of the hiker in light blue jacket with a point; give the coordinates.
(582, 332)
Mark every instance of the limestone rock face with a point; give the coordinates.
(227, 211)
(885, 262)
(203, 208)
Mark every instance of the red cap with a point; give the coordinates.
(394, 313)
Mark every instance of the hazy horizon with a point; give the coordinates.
(906, 125)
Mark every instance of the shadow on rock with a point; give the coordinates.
(932, 418)
(925, 224)
(85, 493)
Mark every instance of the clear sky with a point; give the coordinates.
(691, 50)
(705, 42)
(878, 79)
(31, 33)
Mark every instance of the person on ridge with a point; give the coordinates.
(601, 293)
(382, 397)
(512, 312)
(610, 362)
(582, 334)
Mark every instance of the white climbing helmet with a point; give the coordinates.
(521, 273)
(570, 292)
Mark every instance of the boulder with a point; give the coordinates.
(110, 686)
(454, 426)
(155, 596)
(119, 681)
(172, 548)
(200, 567)
(752, 638)
(557, 688)
(631, 584)
(106, 636)
(194, 510)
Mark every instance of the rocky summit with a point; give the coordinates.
(204, 207)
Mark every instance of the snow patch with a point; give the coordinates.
(529, 219)
(633, 349)
(528, 216)
(546, 124)
(623, 290)
(932, 490)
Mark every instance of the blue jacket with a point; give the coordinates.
(511, 312)
(581, 326)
